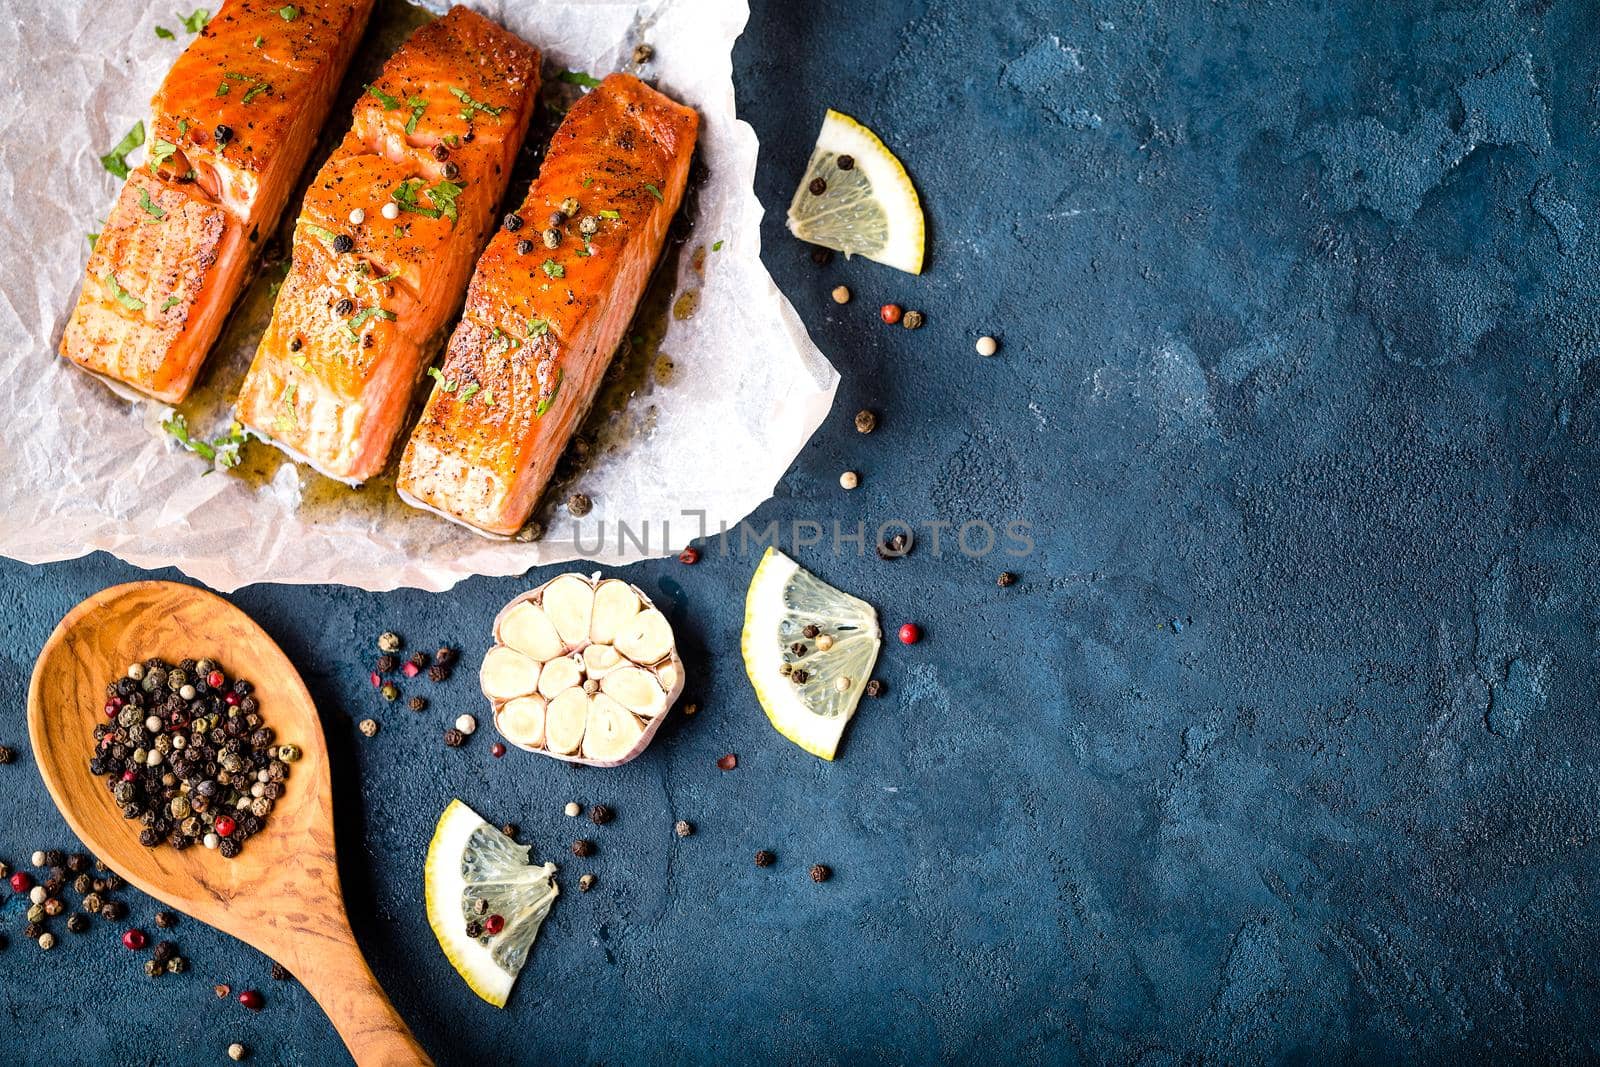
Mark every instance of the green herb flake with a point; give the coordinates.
(418, 105)
(391, 276)
(321, 233)
(588, 182)
(654, 192)
(260, 40)
(487, 396)
(538, 327)
(93, 237)
(610, 213)
(390, 103)
(578, 77)
(266, 87)
(125, 298)
(359, 319)
(161, 151)
(444, 194)
(544, 404)
(469, 105)
(552, 269)
(164, 33)
(196, 20)
(178, 427)
(169, 303)
(151, 208)
(717, 246)
(469, 392)
(405, 194)
(288, 13)
(116, 160)
(444, 383)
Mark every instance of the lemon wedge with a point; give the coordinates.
(856, 198)
(808, 649)
(470, 861)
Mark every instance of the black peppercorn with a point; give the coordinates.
(387, 663)
(474, 928)
(280, 973)
(821, 256)
(419, 659)
(113, 911)
(895, 547)
(817, 187)
(166, 920)
(155, 968)
(55, 858)
(765, 858)
(223, 133)
(810, 630)
(77, 923)
(295, 344)
(177, 965)
(1006, 578)
(512, 222)
(441, 151)
(6, 754)
(600, 815)
(450, 171)
(77, 863)
(419, 704)
(820, 872)
(454, 738)
(875, 688)
(846, 162)
(445, 656)
(510, 829)
(438, 673)
(342, 243)
(344, 307)
(524, 246)
(583, 847)
(165, 950)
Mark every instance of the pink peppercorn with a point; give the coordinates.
(134, 939)
(910, 633)
(252, 999)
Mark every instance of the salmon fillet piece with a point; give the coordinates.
(364, 303)
(541, 325)
(183, 234)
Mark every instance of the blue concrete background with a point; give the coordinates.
(1299, 322)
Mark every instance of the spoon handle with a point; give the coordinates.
(333, 971)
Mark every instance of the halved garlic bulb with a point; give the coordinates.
(583, 669)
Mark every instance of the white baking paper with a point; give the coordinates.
(82, 469)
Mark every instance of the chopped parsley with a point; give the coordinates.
(160, 152)
(444, 383)
(321, 233)
(359, 319)
(544, 404)
(288, 12)
(538, 327)
(151, 208)
(196, 20)
(418, 105)
(487, 396)
(391, 276)
(609, 213)
(717, 247)
(93, 237)
(578, 77)
(125, 298)
(468, 392)
(390, 103)
(266, 87)
(164, 33)
(552, 269)
(588, 182)
(260, 40)
(442, 193)
(654, 191)
(469, 105)
(169, 303)
(116, 160)
(222, 451)
(183, 127)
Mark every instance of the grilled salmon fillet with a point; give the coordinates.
(364, 302)
(231, 129)
(541, 324)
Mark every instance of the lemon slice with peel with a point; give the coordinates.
(470, 861)
(809, 649)
(856, 198)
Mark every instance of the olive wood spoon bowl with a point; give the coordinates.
(281, 893)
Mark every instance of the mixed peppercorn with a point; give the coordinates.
(187, 753)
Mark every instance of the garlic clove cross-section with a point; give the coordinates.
(583, 669)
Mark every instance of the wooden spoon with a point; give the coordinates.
(281, 893)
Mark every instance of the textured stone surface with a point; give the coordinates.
(1282, 747)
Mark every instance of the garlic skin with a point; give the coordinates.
(584, 669)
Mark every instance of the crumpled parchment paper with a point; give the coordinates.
(698, 429)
